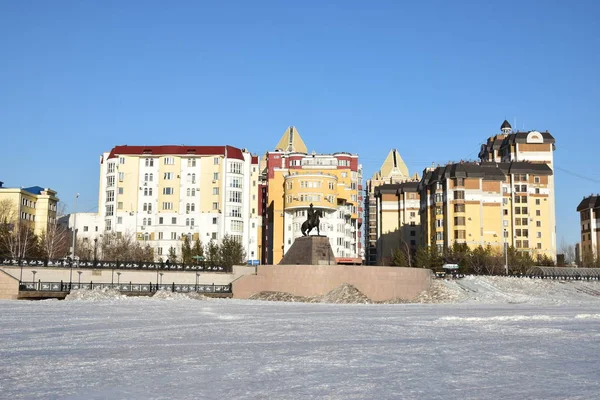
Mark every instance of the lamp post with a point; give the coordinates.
(95, 251)
(33, 273)
(197, 280)
(118, 278)
(79, 272)
(74, 224)
(161, 275)
(506, 251)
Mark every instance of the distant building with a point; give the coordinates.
(589, 216)
(34, 206)
(292, 180)
(393, 171)
(506, 198)
(163, 193)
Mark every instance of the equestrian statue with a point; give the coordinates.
(312, 221)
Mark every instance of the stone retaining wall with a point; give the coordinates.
(377, 283)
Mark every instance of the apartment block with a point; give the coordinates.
(398, 220)
(589, 216)
(35, 206)
(163, 193)
(293, 180)
(392, 171)
(507, 197)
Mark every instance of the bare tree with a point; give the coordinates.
(16, 237)
(54, 241)
(568, 250)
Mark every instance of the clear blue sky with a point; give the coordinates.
(433, 79)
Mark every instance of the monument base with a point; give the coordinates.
(309, 250)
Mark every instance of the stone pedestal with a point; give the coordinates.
(309, 250)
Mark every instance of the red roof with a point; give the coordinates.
(229, 151)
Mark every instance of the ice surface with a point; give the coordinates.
(486, 346)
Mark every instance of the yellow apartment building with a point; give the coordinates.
(589, 216)
(292, 180)
(398, 220)
(34, 206)
(506, 198)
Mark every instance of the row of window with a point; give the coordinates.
(28, 203)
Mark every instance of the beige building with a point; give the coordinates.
(164, 193)
(398, 220)
(506, 198)
(292, 180)
(34, 206)
(589, 214)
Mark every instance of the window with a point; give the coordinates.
(459, 208)
(190, 207)
(173, 235)
(214, 235)
(537, 202)
(413, 242)
(160, 235)
(147, 191)
(174, 220)
(459, 220)
(216, 161)
(160, 220)
(110, 181)
(191, 162)
(537, 190)
(159, 250)
(215, 191)
(168, 190)
(111, 168)
(187, 222)
(235, 197)
(538, 234)
(110, 210)
(215, 176)
(439, 236)
(439, 223)
(215, 206)
(536, 179)
(85, 228)
(168, 176)
(505, 201)
(460, 234)
(110, 195)
(235, 167)
(459, 181)
(121, 160)
(412, 233)
(121, 176)
(538, 224)
(505, 212)
(235, 212)
(119, 220)
(412, 214)
(149, 162)
(214, 220)
(459, 194)
(192, 222)
(169, 160)
(120, 190)
(539, 246)
(167, 205)
(538, 213)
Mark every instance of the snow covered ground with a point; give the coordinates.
(498, 338)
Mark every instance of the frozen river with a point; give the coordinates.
(193, 349)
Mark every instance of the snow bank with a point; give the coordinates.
(166, 295)
(95, 295)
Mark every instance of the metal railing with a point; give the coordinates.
(124, 287)
(131, 265)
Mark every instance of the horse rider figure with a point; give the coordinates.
(313, 221)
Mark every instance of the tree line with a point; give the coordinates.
(480, 260)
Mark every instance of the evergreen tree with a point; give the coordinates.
(172, 255)
(231, 252)
(186, 251)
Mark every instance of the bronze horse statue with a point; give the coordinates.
(313, 221)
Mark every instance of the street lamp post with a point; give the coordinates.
(95, 251)
(197, 280)
(506, 251)
(161, 275)
(79, 272)
(74, 224)
(118, 278)
(33, 273)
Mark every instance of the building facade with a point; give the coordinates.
(589, 217)
(163, 193)
(35, 207)
(398, 220)
(292, 180)
(392, 171)
(507, 198)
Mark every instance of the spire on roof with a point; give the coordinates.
(291, 141)
(394, 166)
(506, 128)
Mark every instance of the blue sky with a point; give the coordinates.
(431, 78)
